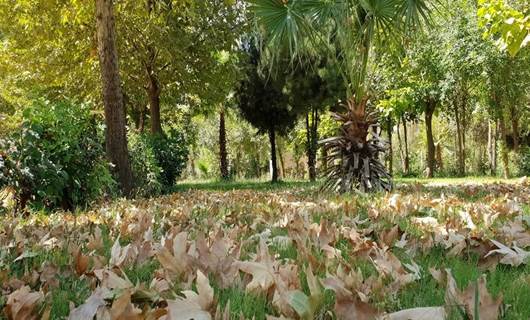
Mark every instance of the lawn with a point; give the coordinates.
(286, 251)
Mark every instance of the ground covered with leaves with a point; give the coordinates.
(422, 252)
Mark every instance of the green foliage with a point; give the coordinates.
(145, 168)
(171, 153)
(511, 27)
(157, 160)
(56, 157)
(523, 161)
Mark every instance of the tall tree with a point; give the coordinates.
(116, 138)
(262, 102)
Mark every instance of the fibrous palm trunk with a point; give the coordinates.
(354, 154)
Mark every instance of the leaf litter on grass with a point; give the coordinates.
(197, 243)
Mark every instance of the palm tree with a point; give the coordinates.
(346, 31)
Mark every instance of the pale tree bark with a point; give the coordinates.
(282, 163)
(390, 160)
(274, 165)
(115, 135)
(504, 148)
(406, 158)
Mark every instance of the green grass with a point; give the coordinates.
(256, 185)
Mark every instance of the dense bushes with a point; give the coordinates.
(56, 158)
(157, 160)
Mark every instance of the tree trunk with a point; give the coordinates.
(439, 160)
(431, 160)
(311, 143)
(115, 135)
(389, 128)
(490, 147)
(141, 120)
(223, 154)
(515, 129)
(282, 163)
(406, 163)
(461, 165)
(274, 165)
(504, 148)
(153, 93)
(400, 145)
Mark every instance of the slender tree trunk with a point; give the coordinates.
(406, 166)
(515, 129)
(400, 146)
(504, 148)
(115, 135)
(389, 129)
(431, 160)
(223, 154)
(490, 147)
(141, 120)
(461, 166)
(494, 150)
(274, 165)
(153, 93)
(311, 148)
(282, 163)
(439, 159)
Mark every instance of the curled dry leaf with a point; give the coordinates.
(514, 257)
(195, 305)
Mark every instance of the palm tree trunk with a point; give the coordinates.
(223, 154)
(115, 135)
(431, 160)
(274, 165)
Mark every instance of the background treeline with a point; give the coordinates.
(201, 99)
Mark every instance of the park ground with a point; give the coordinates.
(255, 250)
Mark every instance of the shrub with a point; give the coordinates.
(523, 161)
(145, 167)
(157, 160)
(171, 152)
(55, 159)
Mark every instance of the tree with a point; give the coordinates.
(347, 31)
(116, 139)
(308, 93)
(263, 103)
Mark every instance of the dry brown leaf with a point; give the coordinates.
(122, 308)
(22, 303)
(88, 310)
(427, 313)
(514, 257)
(488, 307)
